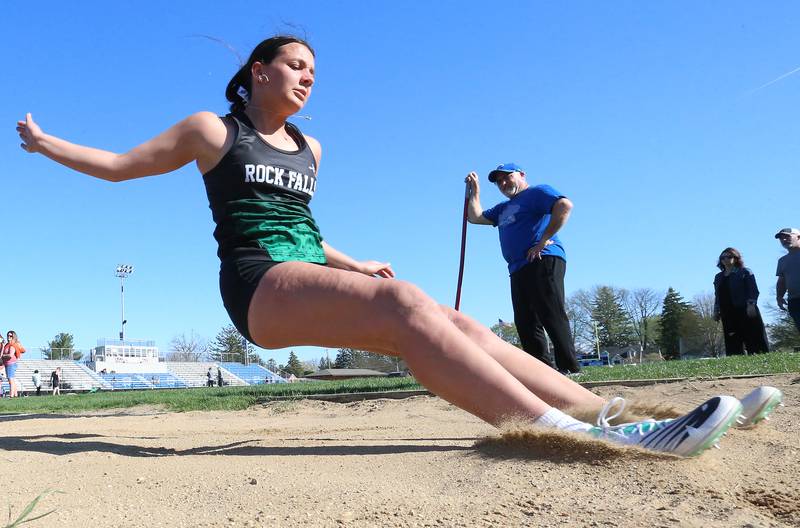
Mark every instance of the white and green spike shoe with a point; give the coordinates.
(758, 405)
(688, 435)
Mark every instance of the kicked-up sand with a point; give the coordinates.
(412, 462)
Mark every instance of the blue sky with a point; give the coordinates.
(648, 115)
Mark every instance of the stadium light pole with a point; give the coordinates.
(123, 271)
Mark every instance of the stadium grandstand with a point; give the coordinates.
(132, 365)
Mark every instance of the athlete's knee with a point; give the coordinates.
(407, 301)
(462, 322)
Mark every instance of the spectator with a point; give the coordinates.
(219, 377)
(736, 303)
(528, 222)
(55, 381)
(11, 353)
(2, 368)
(37, 381)
(209, 378)
(789, 273)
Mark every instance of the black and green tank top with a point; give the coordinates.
(259, 195)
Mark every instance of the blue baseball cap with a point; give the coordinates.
(505, 168)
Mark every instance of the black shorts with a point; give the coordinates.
(239, 276)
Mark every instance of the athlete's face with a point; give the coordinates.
(291, 76)
(510, 183)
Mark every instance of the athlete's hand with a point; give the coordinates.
(752, 311)
(474, 186)
(781, 303)
(381, 269)
(29, 133)
(536, 251)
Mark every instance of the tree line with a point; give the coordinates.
(601, 318)
(648, 322)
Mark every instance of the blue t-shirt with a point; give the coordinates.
(522, 221)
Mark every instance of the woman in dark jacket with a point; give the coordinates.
(735, 302)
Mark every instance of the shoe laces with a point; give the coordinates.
(614, 408)
(605, 413)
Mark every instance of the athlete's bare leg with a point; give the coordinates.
(548, 384)
(305, 304)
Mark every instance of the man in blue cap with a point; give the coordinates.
(528, 222)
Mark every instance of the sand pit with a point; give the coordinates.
(413, 462)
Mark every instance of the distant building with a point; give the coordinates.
(130, 355)
(339, 374)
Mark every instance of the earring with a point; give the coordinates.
(263, 78)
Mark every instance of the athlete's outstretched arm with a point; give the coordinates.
(184, 142)
(337, 259)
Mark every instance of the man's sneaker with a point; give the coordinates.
(758, 405)
(687, 436)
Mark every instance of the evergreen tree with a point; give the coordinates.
(294, 366)
(380, 362)
(351, 358)
(62, 346)
(614, 328)
(673, 320)
(782, 332)
(324, 363)
(229, 345)
(344, 358)
(272, 365)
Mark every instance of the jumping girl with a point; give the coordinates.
(284, 286)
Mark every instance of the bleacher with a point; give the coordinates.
(252, 374)
(144, 380)
(74, 376)
(194, 373)
(77, 377)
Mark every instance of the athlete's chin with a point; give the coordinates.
(296, 102)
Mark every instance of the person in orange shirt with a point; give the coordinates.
(2, 368)
(12, 351)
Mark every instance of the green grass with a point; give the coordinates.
(25, 515)
(771, 363)
(199, 399)
(238, 398)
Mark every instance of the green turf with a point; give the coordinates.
(237, 398)
(771, 363)
(199, 399)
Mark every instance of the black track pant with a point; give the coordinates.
(742, 331)
(537, 293)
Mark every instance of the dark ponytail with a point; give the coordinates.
(239, 88)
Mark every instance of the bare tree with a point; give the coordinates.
(708, 330)
(579, 312)
(642, 306)
(187, 348)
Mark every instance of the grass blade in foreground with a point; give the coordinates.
(28, 509)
